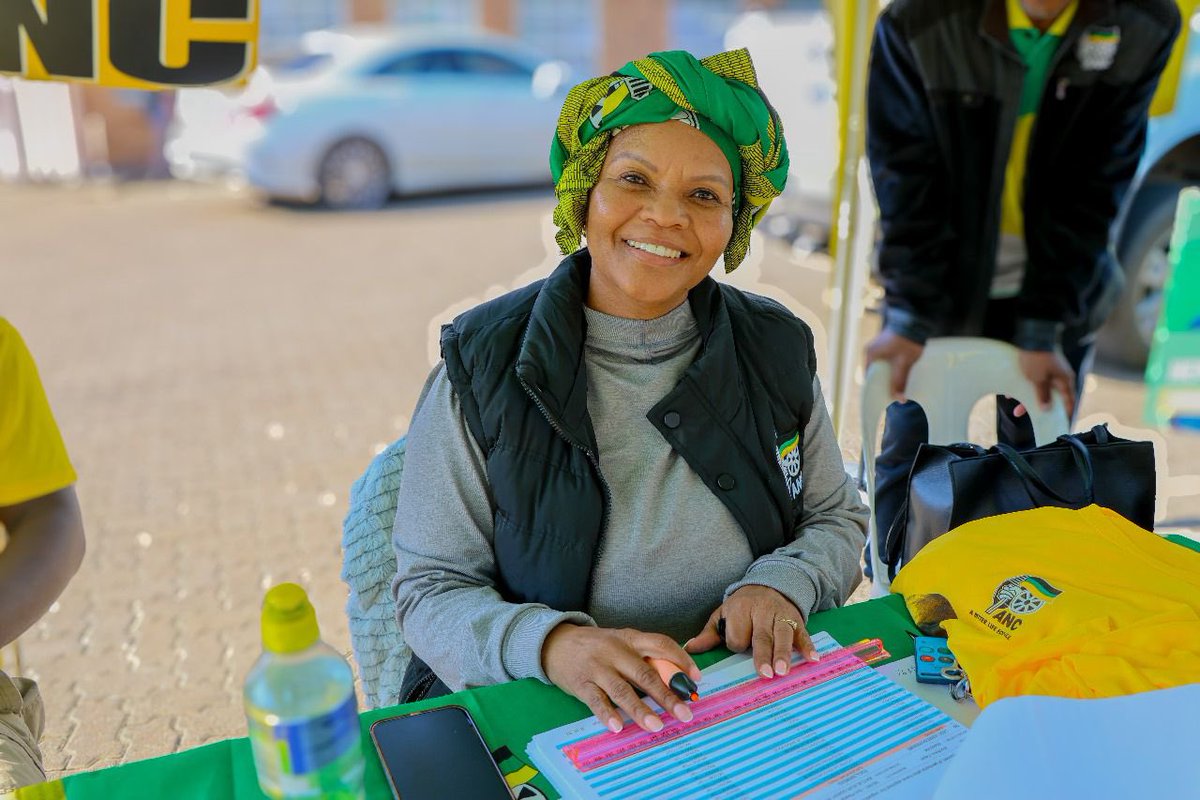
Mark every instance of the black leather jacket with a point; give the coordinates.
(943, 94)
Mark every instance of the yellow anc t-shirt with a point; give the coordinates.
(1060, 602)
(33, 460)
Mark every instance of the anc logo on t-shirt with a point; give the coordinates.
(1015, 598)
(789, 465)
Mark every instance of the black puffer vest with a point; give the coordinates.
(517, 367)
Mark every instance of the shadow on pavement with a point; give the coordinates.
(428, 200)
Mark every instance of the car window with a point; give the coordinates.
(429, 62)
(477, 62)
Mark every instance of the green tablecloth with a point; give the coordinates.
(508, 716)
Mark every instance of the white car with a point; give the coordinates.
(363, 114)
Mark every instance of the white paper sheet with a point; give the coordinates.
(1116, 748)
(904, 672)
(855, 737)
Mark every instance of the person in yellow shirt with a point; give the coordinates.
(43, 547)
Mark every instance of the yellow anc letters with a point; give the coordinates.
(135, 44)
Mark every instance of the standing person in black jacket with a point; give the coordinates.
(1002, 135)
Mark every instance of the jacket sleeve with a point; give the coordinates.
(447, 605)
(911, 187)
(1076, 215)
(820, 567)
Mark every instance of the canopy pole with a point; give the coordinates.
(853, 212)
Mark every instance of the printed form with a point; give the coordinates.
(855, 736)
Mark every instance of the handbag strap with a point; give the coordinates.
(893, 543)
(1083, 459)
(1030, 476)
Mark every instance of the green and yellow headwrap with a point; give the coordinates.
(719, 95)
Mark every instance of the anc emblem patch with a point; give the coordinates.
(1097, 48)
(790, 466)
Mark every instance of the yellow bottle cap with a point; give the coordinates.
(289, 622)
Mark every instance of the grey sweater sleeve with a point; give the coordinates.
(447, 605)
(820, 568)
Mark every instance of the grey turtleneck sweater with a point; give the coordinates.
(670, 552)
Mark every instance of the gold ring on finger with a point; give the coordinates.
(793, 624)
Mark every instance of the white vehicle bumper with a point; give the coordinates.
(200, 161)
(277, 176)
(211, 153)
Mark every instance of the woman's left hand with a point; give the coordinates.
(762, 618)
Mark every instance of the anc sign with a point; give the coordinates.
(138, 44)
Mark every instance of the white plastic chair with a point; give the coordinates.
(10, 658)
(952, 375)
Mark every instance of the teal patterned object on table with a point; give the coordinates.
(368, 566)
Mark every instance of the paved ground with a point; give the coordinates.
(222, 372)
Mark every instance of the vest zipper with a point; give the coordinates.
(419, 691)
(595, 461)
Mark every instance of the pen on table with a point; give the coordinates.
(679, 681)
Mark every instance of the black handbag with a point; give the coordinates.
(953, 484)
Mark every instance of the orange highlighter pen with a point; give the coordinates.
(679, 681)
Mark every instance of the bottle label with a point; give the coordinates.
(307, 745)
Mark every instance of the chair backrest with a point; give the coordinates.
(952, 375)
(368, 566)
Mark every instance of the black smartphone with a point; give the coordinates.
(436, 754)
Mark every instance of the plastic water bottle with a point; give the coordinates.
(300, 706)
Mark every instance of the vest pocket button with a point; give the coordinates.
(671, 419)
(726, 481)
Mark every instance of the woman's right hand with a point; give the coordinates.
(604, 667)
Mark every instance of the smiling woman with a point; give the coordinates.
(625, 455)
(659, 218)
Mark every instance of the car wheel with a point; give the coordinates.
(1145, 243)
(354, 175)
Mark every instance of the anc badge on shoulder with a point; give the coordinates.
(789, 464)
(1097, 48)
